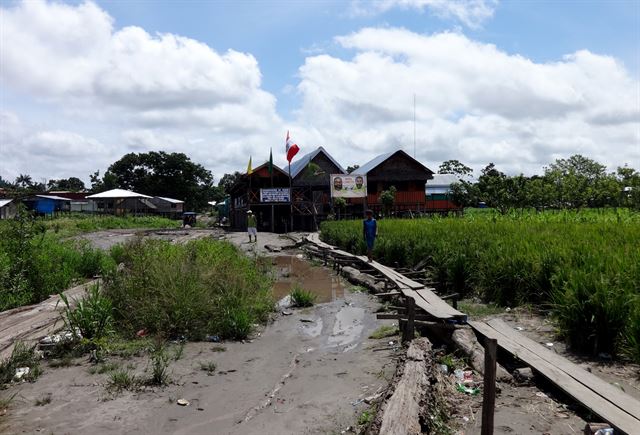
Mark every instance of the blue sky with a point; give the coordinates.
(305, 52)
(281, 33)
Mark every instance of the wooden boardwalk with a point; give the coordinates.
(611, 404)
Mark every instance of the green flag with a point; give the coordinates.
(271, 161)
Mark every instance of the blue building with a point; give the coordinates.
(47, 205)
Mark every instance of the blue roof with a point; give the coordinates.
(299, 165)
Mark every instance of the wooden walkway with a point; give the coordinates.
(601, 398)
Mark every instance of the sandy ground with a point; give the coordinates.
(305, 372)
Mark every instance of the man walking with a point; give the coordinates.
(252, 226)
(370, 232)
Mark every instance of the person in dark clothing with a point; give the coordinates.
(370, 232)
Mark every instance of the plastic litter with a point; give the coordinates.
(444, 368)
(607, 431)
(183, 402)
(467, 390)
(459, 374)
(357, 402)
(213, 338)
(519, 328)
(549, 344)
(21, 372)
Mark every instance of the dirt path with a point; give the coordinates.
(305, 372)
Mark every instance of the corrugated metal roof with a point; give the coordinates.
(4, 202)
(117, 193)
(443, 180)
(171, 200)
(56, 198)
(371, 164)
(299, 165)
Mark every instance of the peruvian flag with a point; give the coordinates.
(291, 148)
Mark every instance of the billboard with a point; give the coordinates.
(348, 186)
(276, 194)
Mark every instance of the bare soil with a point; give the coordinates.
(305, 372)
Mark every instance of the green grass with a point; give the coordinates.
(75, 224)
(105, 367)
(204, 287)
(121, 379)
(479, 310)
(44, 400)
(583, 267)
(366, 417)
(301, 297)
(384, 331)
(21, 356)
(209, 367)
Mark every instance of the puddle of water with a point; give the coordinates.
(348, 326)
(291, 270)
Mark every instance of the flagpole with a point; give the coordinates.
(290, 197)
(271, 173)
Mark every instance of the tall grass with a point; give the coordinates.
(82, 223)
(585, 266)
(193, 290)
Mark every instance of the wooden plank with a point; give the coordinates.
(432, 299)
(606, 410)
(598, 385)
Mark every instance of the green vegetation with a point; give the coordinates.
(44, 400)
(383, 332)
(121, 379)
(192, 290)
(91, 318)
(22, 356)
(301, 297)
(584, 266)
(209, 367)
(74, 224)
(479, 310)
(159, 366)
(366, 417)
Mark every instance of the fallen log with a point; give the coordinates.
(401, 413)
(466, 341)
(354, 276)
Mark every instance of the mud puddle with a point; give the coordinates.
(292, 270)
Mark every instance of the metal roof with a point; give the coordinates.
(299, 165)
(171, 200)
(116, 194)
(4, 202)
(55, 198)
(371, 164)
(443, 180)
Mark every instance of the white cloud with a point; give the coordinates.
(475, 102)
(472, 13)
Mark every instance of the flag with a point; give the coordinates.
(249, 168)
(291, 148)
(270, 161)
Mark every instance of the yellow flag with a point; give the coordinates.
(249, 169)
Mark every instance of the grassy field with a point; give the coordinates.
(38, 259)
(584, 267)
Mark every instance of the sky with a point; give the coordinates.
(519, 83)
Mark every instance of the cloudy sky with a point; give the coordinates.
(517, 83)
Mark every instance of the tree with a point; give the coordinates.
(24, 180)
(575, 179)
(339, 204)
(455, 167)
(227, 181)
(350, 169)
(73, 184)
(388, 198)
(4, 183)
(158, 173)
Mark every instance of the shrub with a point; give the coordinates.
(301, 297)
(202, 287)
(21, 356)
(91, 318)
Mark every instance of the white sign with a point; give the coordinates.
(348, 186)
(276, 194)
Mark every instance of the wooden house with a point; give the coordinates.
(8, 208)
(266, 195)
(402, 171)
(168, 207)
(438, 191)
(311, 177)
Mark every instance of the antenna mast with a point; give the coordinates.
(414, 125)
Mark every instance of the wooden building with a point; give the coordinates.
(8, 208)
(311, 175)
(266, 195)
(438, 190)
(402, 171)
(168, 207)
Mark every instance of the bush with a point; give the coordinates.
(22, 356)
(193, 290)
(301, 297)
(91, 318)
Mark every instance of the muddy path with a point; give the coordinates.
(307, 371)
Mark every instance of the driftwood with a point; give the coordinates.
(363, 279)
(466, 341)
(402, 412)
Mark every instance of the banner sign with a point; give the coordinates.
(348, 186)
(276, 194)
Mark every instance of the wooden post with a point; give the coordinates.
(489, 396)
(409, 329)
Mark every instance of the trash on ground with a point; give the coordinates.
(467, 390)
(141, 333)
(21, 372)
(183, 402)
(357, 402)
(519, 328)
(287, 313)
(549, 344)
(541, 394)
(306, 320)
(444, 368)
(213, 338)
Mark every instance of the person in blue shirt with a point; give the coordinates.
(370, 232)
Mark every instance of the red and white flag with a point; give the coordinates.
(291, 148)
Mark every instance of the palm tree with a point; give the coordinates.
(24, 180)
